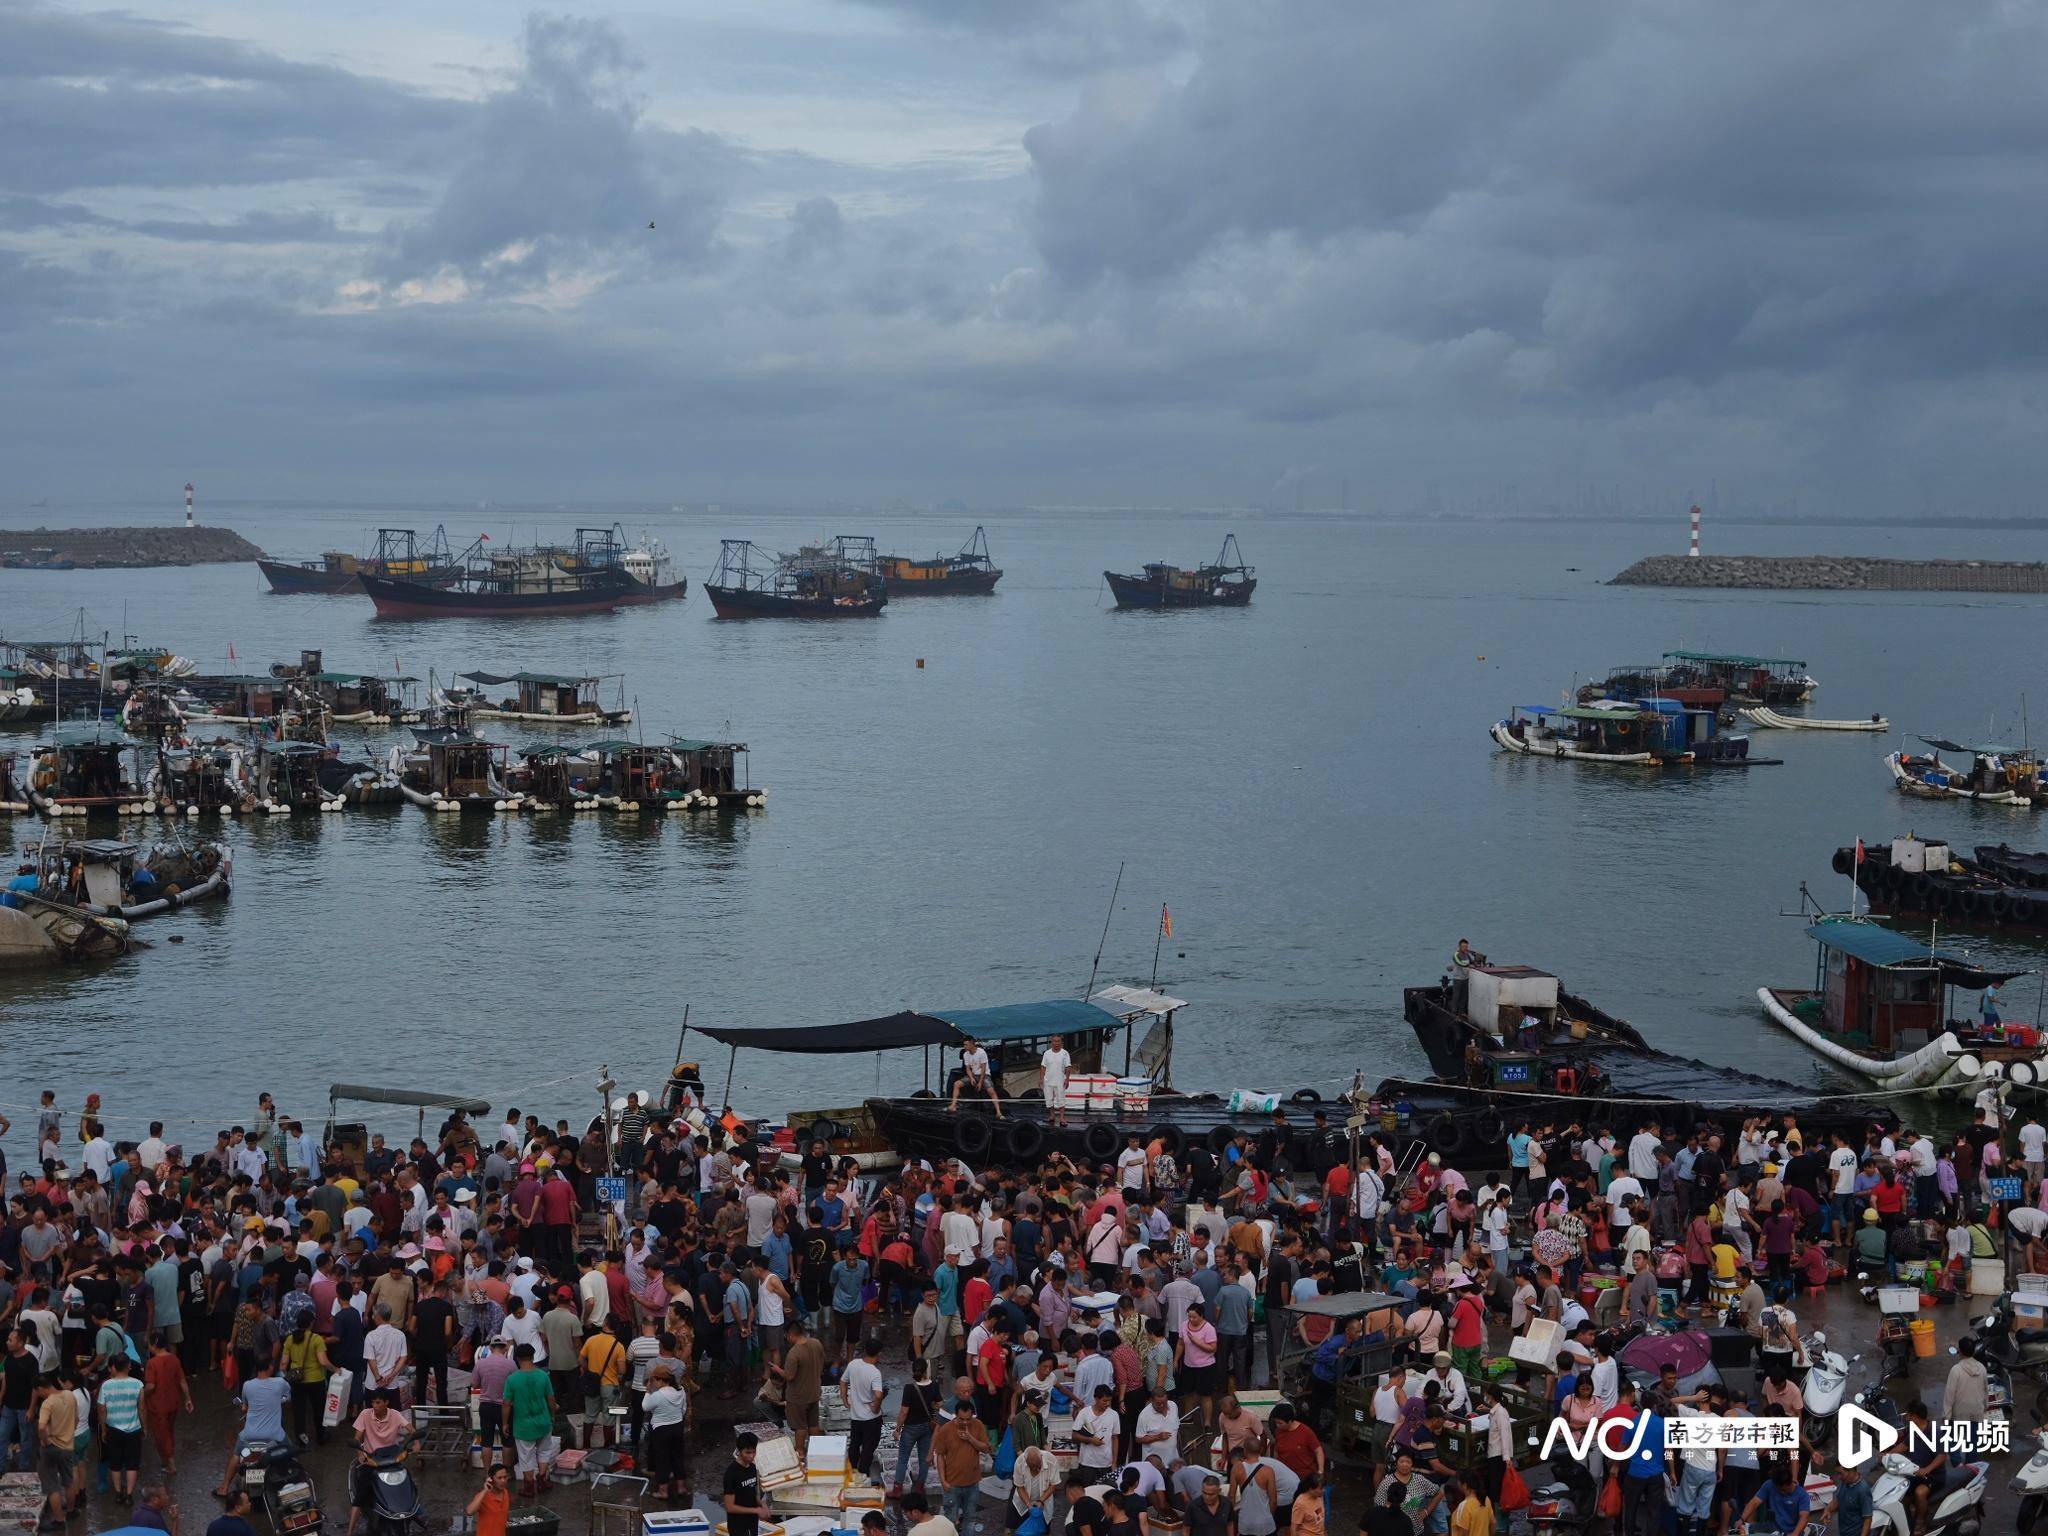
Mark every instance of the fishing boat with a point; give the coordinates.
(586, 577)
(400, 555)
(285, 776)
(1654, 732)
(83, 770)
(36, 934)
(1997, 775)
(835, 581)
(714, 773)
(632, 776)
(454, 771)
(548, 778)
(1747, 679)
(547, 698)
(199, 781)
(1226, 582)
(1506, 1043)
(18, 705)
(39, 559)
(117, 879)
(1999, 887)
(1880, 1007)
(1655, 681)
(652, 570)
(971, 570)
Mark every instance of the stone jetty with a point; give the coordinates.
(1835, 573)
(105, 548)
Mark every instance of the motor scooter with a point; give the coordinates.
(1827, 1383)
(1564, 1503)
(1959, 1512)
(279, 1485)
(2030, 1484)
(395, 1507)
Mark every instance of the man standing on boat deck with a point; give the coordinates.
(1054, 1067)
(974, 1076)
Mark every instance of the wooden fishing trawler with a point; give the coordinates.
(547, 778)
(1880, 1007)
(548, 699)
(1997, 775)
(199, 781)
(1655, 681)
(971, 570)
(454, 771)
(1506, 1043)
(1654, 732)
(1999, 887)
(1770, 680)
(836, 581)
(285, 776)
(631, 776)
(82, 771)
(400, 555)
(117, 879)
(588, 577)
(1226, 582)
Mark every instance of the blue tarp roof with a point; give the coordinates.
(1882, 947)
(1537, 709)
(1024, 1021)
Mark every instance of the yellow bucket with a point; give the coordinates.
(1923, 1337)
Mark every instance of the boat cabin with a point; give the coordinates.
(355, 696)
(630, 770)
(1887, 993)
(710, 767)
(289, 772)
(545, 776)
(96, 871)
(203, 777)
(85, 769)
(1994, 766)
(241, 697)
(1674, 730)
(463, 767)
(543, 695)
(1747, 679)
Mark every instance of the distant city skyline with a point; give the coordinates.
(1474, 259)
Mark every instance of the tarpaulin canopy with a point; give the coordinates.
(544, 679)
(1729, 659)
(409, 1096)
(1984, 749)
(951, 1026)
(1883, 948)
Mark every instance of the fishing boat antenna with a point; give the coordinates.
(1101, 942)
(684, 1033)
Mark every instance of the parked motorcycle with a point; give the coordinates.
(395, 1507)
(2030, 1484)
(1959, 1512)
(281, 1487)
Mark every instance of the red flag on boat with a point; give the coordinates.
(1165, 921)
(1859, 850)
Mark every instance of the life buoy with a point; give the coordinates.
(1488, 1129)
(972, 1134)
(1023, 1141)
(1100, 1141)
(1170, 1140)
(1221, 1136)
(1444, 1135)
(1307, 1096)
(1567, 1080)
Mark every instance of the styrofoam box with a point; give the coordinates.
(675, 1522)
(1898, 1298)
(1539, 1345)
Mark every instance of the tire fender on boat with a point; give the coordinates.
(1444, 1135)
(1488, 1129)
(1220, 1136)
(1100, 1141)
(972, 1134)
(1023, 1142)
(1169, 1138)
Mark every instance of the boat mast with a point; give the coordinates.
(1099, 943)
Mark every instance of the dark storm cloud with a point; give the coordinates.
(109, 98)
(1619, 194)
(558, 173)
(815, 229)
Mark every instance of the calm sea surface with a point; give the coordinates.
(1307, 783)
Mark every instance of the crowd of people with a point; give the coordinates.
(988, 1314)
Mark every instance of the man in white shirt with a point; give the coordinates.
(521, 1326)
(1734, 1208)
(2033, 1150)
(1096, 1429)
(1842, 1186)
(1625, 1188)
(1054, 1068)
(1131, 1164)
(1159, 1429)
(98, 1155)
(864, 1390)
(1452, 1382)
(1642, 1153)
(960, 1233)
(1926, 1186)
(153, 1151)
(974, 1077)
(249, 1159)
(1092, 1373)
(385, 1351)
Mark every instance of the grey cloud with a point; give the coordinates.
(107, 98)
(1067, 36)
(815, 228)
(306, 226)
(559, 173)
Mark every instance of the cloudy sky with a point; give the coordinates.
(1025, 250)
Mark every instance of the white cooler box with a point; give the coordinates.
(675, 1522)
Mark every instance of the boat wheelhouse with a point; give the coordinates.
(970, 570)
(713, 770)
(454, 771)
(199, 781)
(1747, 679)
(1226, 582)
(1656, 732)
(286, 776)
(84, 770)
(548, 698)
(1881, 1006)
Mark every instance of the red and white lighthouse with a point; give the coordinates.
(1694, 552)
(1695, 518)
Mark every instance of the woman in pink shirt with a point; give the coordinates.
(1194, 1361)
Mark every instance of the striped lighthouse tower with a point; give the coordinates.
(1695, 519)
(1694, 552)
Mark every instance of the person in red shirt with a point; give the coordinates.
(1888, 1198)
(558, 1222)
(1295, 1445)
(974, 1299)
(992, 1376)
(1468, 1331)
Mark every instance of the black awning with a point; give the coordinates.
(363, 1094)
(891, 1032)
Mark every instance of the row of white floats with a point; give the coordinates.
(693, 801)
